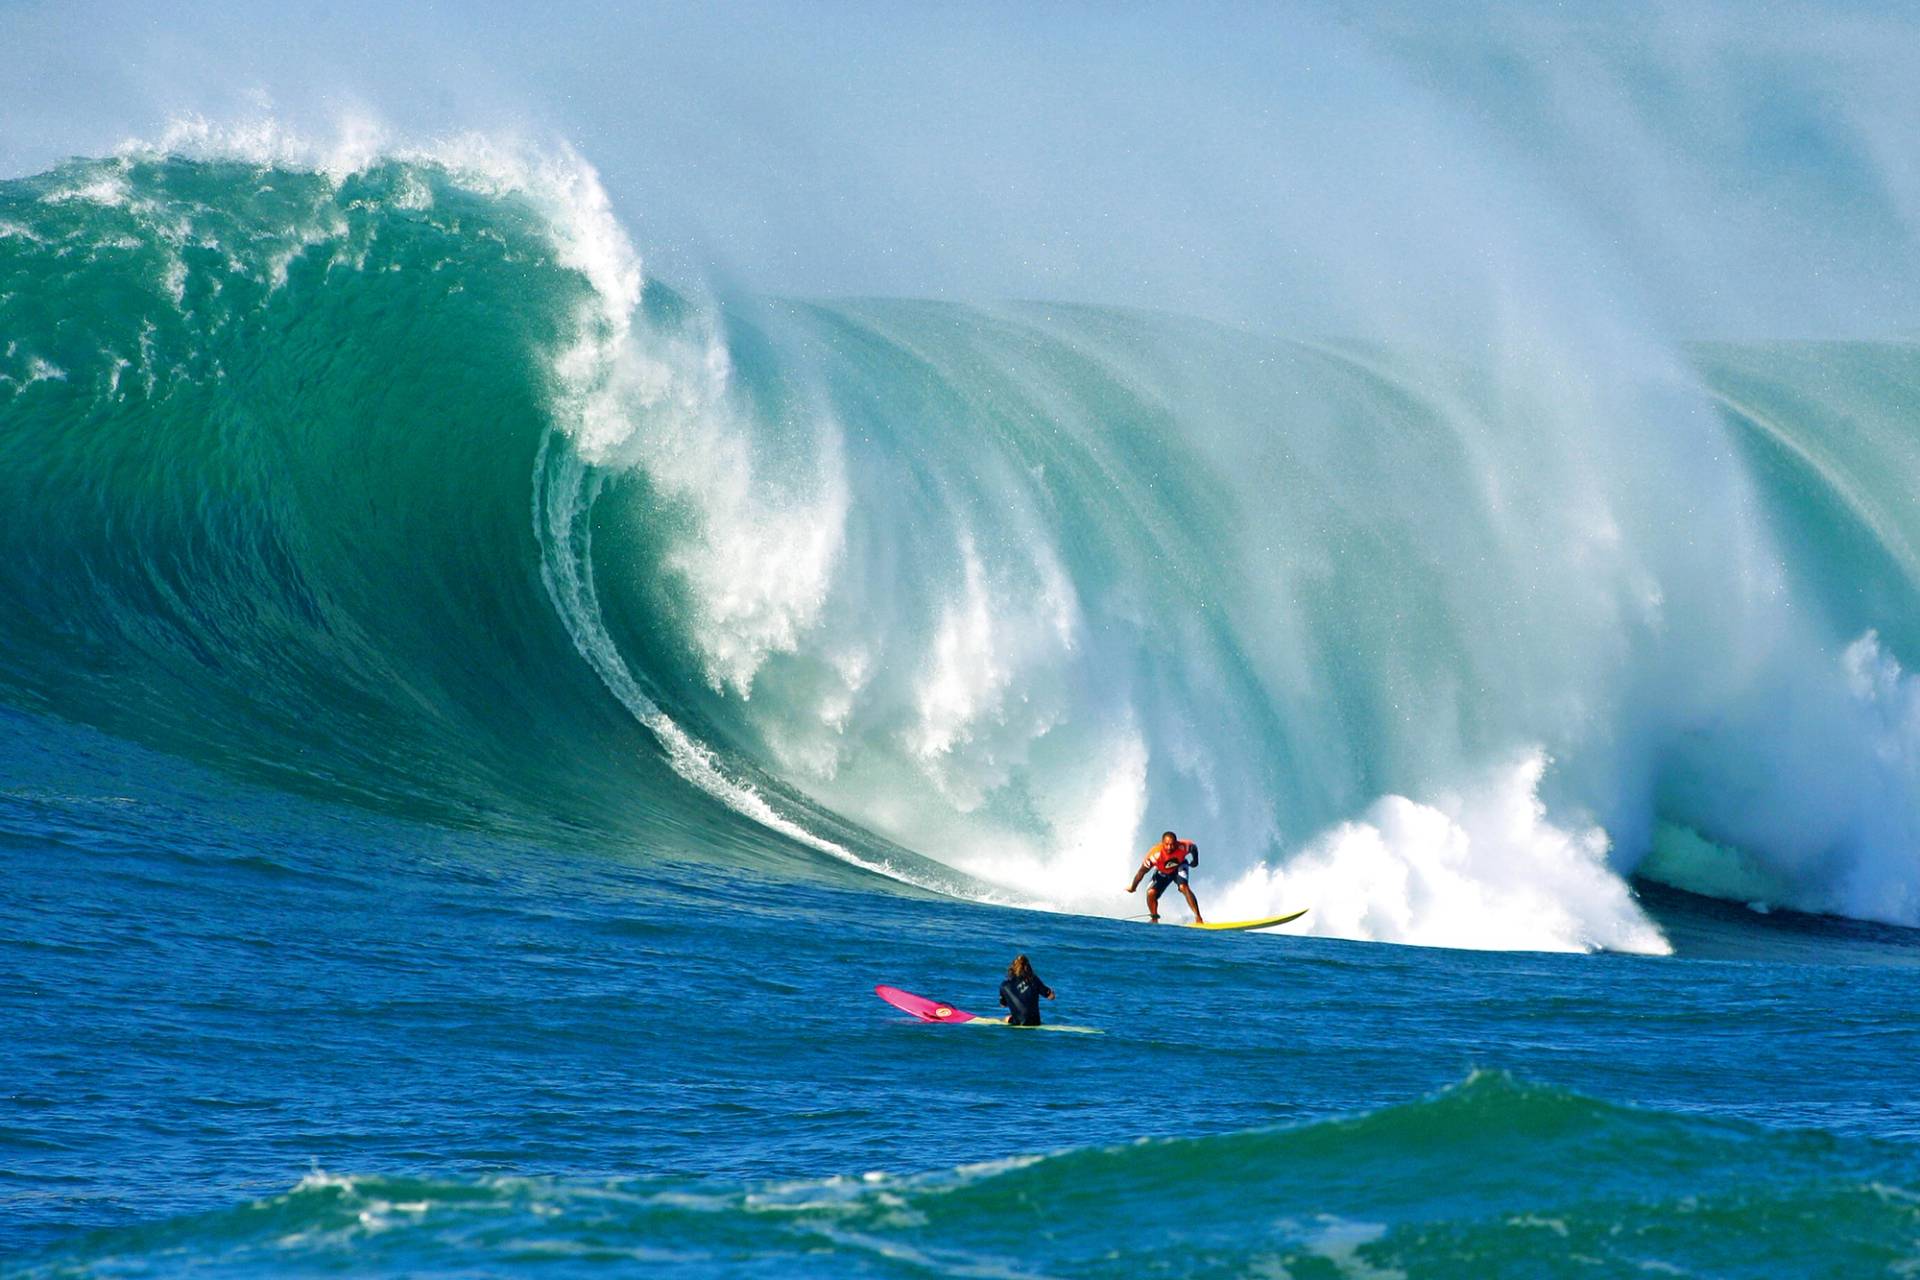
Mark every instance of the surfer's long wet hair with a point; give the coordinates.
(1020, 968)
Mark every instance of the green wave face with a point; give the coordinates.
(397, 486)
(272, 506)
(1448, 1187)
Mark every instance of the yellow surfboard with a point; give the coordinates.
(1268, 923)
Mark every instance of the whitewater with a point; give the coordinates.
(486, 691)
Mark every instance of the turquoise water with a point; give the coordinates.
(476, 723)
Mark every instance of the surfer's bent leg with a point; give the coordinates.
(1188, 895)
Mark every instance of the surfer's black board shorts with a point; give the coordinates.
(1161, 879)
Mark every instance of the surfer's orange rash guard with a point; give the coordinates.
(1185, 853)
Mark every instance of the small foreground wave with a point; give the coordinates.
(1490, 1177)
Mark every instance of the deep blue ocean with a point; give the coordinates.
(476, 722)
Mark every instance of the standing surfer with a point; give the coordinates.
(1170, 860)
(1021, 993)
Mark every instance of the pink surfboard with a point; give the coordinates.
(922, 1008)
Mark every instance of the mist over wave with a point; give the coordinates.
(383, 470)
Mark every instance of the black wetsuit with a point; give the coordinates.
(1021, 996)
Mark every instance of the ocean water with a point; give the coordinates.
(476, 722)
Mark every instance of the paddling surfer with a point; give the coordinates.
(1021, 993)
(1170, 860)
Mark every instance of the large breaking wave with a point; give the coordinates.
(386, 473)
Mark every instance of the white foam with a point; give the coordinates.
(1339, 1242)
(318, 1179)
(963, 670)
(760, 556)
(552, 177)
(766, 534)
(37, 370)
(564, 494)
(174, 279)
(1481, 869)
(107, 189)
(983, 640)
(1091, 810)
(1883, 882)
(1804, 791)
(356, 143)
